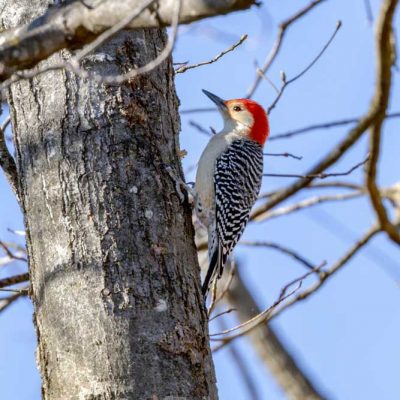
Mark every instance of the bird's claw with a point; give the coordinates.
(179, 185)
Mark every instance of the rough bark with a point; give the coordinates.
(113, 267)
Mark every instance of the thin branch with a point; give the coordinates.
(319, 185)
(200, 128)
(273, 311)
(73, 64)
(13, 280)
(10, 254)
(278, 43)
(335, 184)
(228, 311)
(199, 110)
(307, 203)
(331, 271)
(269, 347)
(283, 249)
(324, 125)
(321, 175)
(284, 155)
(245, 372)
(73, 25)
(185, 68)
(368, 11)
(385, 58)
(8, 301)
(282, 297)
(263, 76)
(286, 83)
(336, 153)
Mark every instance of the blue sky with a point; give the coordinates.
(346, 335)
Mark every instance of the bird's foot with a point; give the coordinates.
(183, 190)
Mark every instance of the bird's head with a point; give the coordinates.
(243, 115)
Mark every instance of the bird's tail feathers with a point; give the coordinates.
(214, 271)
(215, 268)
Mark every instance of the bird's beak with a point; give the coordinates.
(217, 100)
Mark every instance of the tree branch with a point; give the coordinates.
(282, 249)
(269, 347)
(321, 175)
(10, 254)
(307, 203)
(184, 68)
(280, 305)
(13, 280)
(74, 63)
(385, 52)
(286, 83)
(278, 44)
(8, 301)
(323, 125)
(74, 25)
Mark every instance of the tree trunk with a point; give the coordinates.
(114, 273)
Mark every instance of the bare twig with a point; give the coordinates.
(72, 25)
(335, 184)
(336, 153)
(73, 64)
(307, 203)
(269, 347)
(286, 83)
(331, 271)
(228, 311)
(200, 128)
(261, 74)
(198, 110)
(8, 301)
(17, 232)
(319, 185)
(10, 254)
(324, 125)
(264, 314)
(273, 311)
(385, 58)
(321, 175)
(245, 372)
(184, 68)
(13, 280)
(278, 43)
(283, 249)
(284, 155)
(368, 11)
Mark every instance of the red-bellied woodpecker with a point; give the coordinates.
(229, 177)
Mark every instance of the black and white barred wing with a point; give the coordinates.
(237, 182)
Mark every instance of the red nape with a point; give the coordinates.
(260, 130)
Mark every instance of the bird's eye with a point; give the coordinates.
(237, 108)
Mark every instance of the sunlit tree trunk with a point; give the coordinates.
(113, 267)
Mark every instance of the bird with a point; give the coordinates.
(228, 178)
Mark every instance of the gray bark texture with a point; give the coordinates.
(113, 266)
